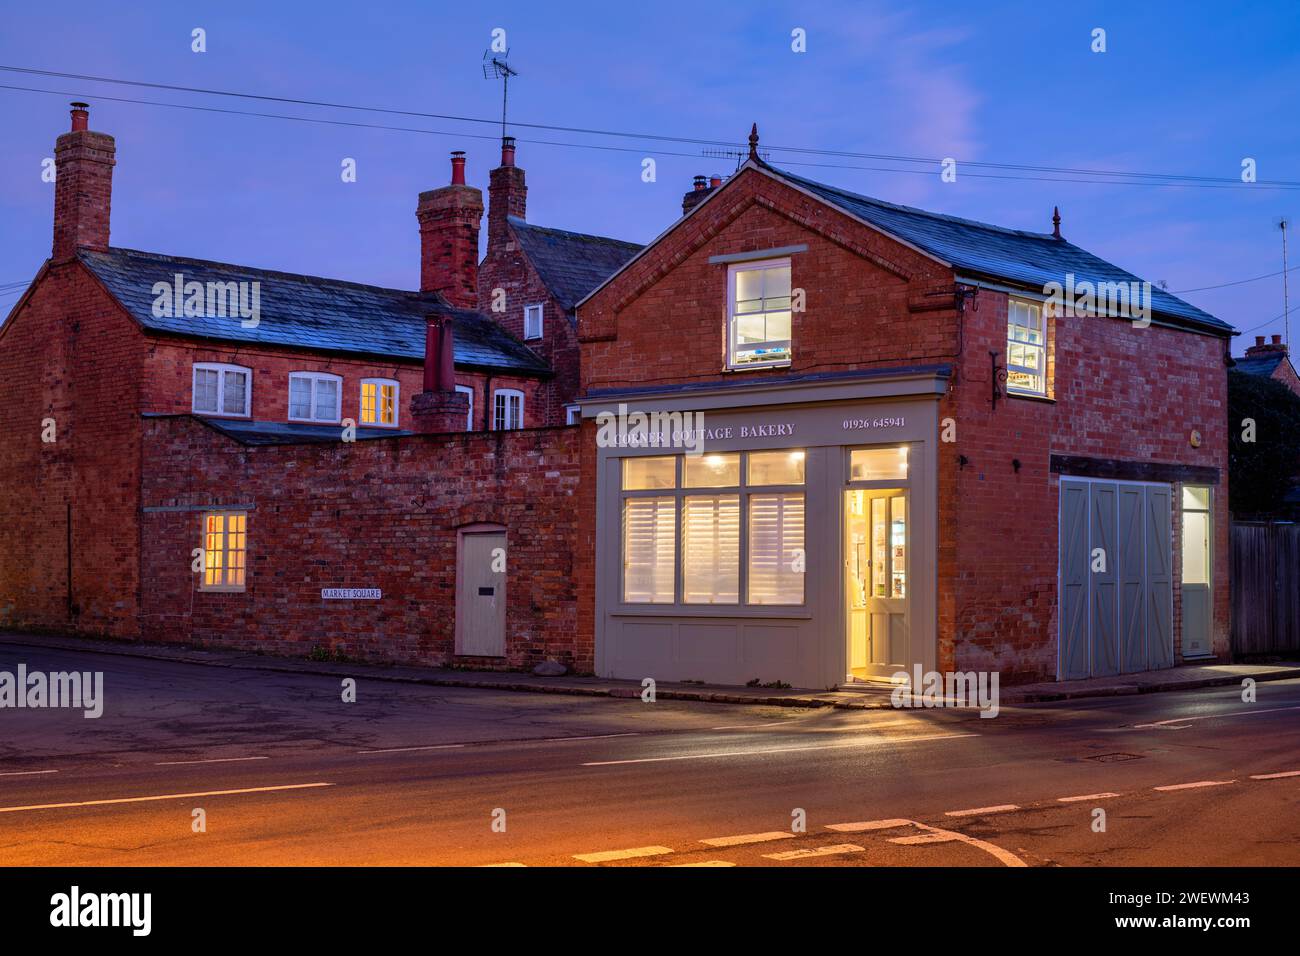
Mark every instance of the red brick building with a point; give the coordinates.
(883, 442)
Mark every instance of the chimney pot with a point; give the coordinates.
(80, 116)
(700, 184)
(507, 150)
(1259, 340)
(1277, 339)
(715, 181)
(458, 167)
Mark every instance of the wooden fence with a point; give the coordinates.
(1265, 588)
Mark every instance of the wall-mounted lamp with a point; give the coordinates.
(997, 375)
(962, 461)
(1015, 463)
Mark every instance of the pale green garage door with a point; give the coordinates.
(1116, 583)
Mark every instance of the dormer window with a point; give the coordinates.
(758, 314)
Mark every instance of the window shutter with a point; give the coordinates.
(776, 524)
(711, 549)
(649, 541)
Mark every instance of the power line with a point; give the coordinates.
(1224, 285)
(1133, 177)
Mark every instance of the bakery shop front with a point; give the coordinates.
(783, 532)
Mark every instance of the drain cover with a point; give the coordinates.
(1114, 758)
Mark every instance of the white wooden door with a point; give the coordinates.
(481, 595)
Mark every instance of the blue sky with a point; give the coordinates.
(1182, 88)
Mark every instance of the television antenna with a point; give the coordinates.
(496, 68)
(739, 155)
(1286, 298)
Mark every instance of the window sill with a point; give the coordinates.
(316, 421)
(757, 368)
(244, 415)
(1044, 399)
(203, 590)
(760, 612)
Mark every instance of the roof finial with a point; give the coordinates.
(1056, 222)
(753, 142)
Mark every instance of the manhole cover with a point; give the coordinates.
(1114, 758)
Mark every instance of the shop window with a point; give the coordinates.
(649, 550)
(224, 550)
(1026, 347)
(711, 549)
(758, 314)
(469, 413)
(711, 471)
(878, 464)
(643, 474)
(776, 468)
(507, 409)
(379, 402)
(221, 389)
(314, 397)
(776, 548)
(532, 321)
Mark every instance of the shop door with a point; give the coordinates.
(876, 579)
(481, 595)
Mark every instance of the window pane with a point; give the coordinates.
(205, 390)
(776, 467)
(299, 397)
(898, 547)
(388, 404)
(327, 399)
(1196, 497)
(649, 550)
(878, 464)
(640, 474)
(749, 289)
(369, 396)
(751, 328)
(1196, 547)
(776, 549)
(236, 391)
(711, 549)
(879, 548)
(776, 283)
(710, 471)
(778, 326)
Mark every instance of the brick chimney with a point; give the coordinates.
(1266, 348)
(449, 224)
(439, 408)
(507, 195)
(700, 190)
(83, 186)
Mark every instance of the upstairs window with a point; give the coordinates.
(221, 389)
(1026, 348)
(758, 310)
(469, 415)
(532, 321)
(314, 397)
(379, 402)
(507, 409)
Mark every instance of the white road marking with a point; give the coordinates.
(165, 796)
(609, 855)
(1199, 783)
(1271, 776)
(26, 773)
(588, 737)
(1087, 796)
(403, 750)
(838, 849)
(938, 836)
(868, 825)
(705, 863)
(778, 750)
(1187, 720)
(1006, 857)
(745, 838)
(979, 811)
(182, 763)
(765, 726)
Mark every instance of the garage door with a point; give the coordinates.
(1116, 585)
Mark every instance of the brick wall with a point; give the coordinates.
(380, 513)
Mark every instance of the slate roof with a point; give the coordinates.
(571, 264)
(1263, 365)
(300, 311)
(290, 433)
(1029, 259)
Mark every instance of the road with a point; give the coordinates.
(288, 773)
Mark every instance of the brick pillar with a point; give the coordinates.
(449, 225)
(439, 408)
(507, 196)
(83, 186)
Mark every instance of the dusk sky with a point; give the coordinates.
(1181, 89)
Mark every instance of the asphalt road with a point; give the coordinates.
(287, 773)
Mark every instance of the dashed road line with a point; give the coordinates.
(876, 742)
(183, 763)
(26, 773)
(868, 825)
(919, 839)
(746, 838)
(608, 856)
(1275, 776)
(165, 796)
(404, 750)
(838, 849)
(1088, 796)
(1192, 786)
(1187, 720)
(548, 740)
(980, 811)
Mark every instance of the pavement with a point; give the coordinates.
(860, 697)
(196, 762)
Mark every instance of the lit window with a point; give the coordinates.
(711, 549)
(314, 397)
(649, 546)
(776, 467)
(532, 321)
(469, 414)
(221, 389)
(507, 409)
(379, 402)
(776, 552)
(224, 551)
(1196, 534)
(644, 474)
(758, 308)
(1026, 348)
(878, 464)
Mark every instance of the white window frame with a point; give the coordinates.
(361, 402)
(469, 416)
(756, 266)
(223, 548)
(315, 377)
(1041, 309)
(507, 393)
(573, 414)
(221, 368)
(531, 311)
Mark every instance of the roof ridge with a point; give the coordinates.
(516, 221)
